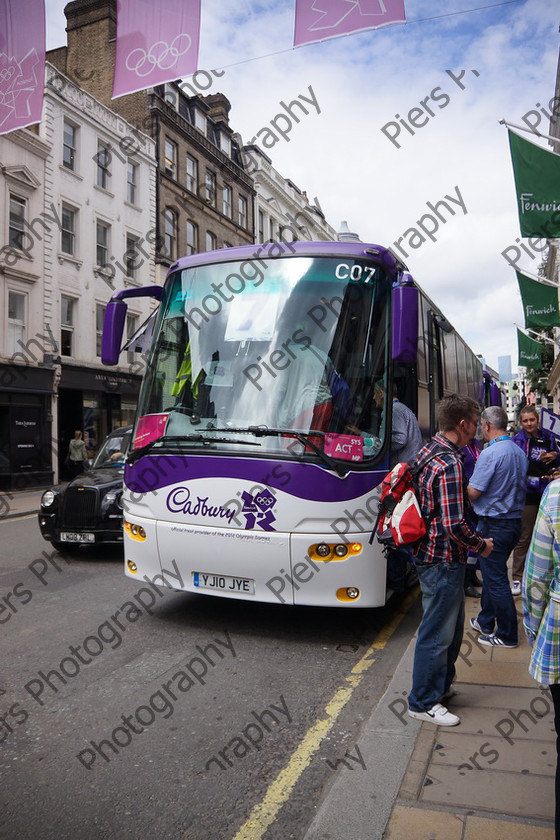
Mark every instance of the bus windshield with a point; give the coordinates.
(281, 358)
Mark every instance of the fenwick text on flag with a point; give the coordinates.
(157, 42)
(537, 187)
(317, 20)
(540, 302)
(530, 351)
(22, 63)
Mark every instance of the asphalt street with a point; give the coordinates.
(129, 711)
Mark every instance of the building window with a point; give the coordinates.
(103, 156)
(170, 231)
(99, 316)
(16, 322)
(131, 182)
(170, 158)
(102, 244)
(17, 221)
(242, 209)
(210, 186)
(192, 238)
(226, 201)
(199, 120)
(228, 245)
(69, 145)
(131, 257)
(68, 231)
(271, 229)
(211, 241)
(131, 327)
(192, 173)
(261, 226)
(66, 326)
(225, 143)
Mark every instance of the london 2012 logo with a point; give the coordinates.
(257, 510)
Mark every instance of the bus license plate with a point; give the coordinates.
(69, 536)
(224, 583)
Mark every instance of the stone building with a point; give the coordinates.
(98, 235)
(282, 210)
(27, 344)
(204, 196)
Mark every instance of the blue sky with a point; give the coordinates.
(342, 156)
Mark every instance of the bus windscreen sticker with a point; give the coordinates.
(345, 447)
(150, 427)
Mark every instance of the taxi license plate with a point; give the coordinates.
(70, 536)
(224, 583)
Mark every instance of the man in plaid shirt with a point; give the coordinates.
(440, 560)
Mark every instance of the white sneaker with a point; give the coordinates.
(516, 587)
(438, 714)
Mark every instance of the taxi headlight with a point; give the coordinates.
(48, 498)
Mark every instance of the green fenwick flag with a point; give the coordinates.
(530, 351)
(540, 302)
(537, 186)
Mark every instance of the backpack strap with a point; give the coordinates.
(416, 467)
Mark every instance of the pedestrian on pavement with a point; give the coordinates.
(541, 608)
(540, 448)
(77, 454)
(472, 582)
(497, 493)
(440, 560)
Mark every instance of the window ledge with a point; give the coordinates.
(62, 258)
(71, 172)
(133, 206)
(103, 190)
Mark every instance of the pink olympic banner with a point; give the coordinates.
(22, 63)
(317, 20)
(157, 42)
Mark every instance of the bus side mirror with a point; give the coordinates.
(404, 321)
(115, 319)
(113, 329)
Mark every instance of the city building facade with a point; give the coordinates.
(204, 196)
(283, 212)
(99, 235)
(27, 345)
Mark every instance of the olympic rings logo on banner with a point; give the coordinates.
(160, 55)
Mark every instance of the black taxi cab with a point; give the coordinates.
(88, 510)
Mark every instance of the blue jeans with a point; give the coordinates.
(440, 633)
(497, 609)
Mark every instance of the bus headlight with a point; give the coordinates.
(348, 593)
(323, 550)
(135, 532)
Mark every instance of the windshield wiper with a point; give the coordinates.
(303, 437)
(136, 454)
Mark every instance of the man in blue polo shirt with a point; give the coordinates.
(497, 493)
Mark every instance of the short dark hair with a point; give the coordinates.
(453, 409)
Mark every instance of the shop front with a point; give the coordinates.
(26, 454)
(95, 402)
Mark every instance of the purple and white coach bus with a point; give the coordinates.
(264, 419)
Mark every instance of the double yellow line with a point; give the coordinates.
(278, 793)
